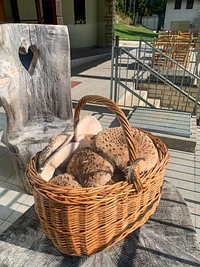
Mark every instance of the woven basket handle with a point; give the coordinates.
(133, 176)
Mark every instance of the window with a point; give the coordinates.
(189, 4)
(79, 11)
(177, 4)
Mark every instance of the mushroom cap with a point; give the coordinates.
(53, 145)
(90, 168)
(87, 142)
(65, 179)
(113, 143)
(87, 127)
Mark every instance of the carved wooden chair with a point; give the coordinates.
(35, 89)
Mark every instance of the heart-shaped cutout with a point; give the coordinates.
(29, 60)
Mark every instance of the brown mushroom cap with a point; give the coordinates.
(90, 168)
(65, 179)
(87, 127)
(113, 143)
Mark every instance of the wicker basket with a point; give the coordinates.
(83, 221)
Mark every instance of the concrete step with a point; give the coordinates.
(84, 60)
(83, 56)
(155, 103)
(129, 100)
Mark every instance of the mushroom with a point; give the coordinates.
(65, 179)
(90, 167)
(118, 176)
(59, 159)
(87, 142)
(87, 128)
(113, 143)
(54, 144)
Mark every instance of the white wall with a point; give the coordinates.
(81, 35)
(182, 14)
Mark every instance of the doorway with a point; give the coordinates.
(45, 9)
(2, 12)
(48, 8)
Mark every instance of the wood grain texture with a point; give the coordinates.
(37, 102)
(168, 239)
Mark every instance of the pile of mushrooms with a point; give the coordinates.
(92, 157)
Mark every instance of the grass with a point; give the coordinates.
(133, 33)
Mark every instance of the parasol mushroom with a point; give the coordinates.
(86, 129)
(66, 180)
(113, 143)
(54, 144)
(59, 159)
(90, 167)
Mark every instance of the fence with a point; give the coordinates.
(168, 84)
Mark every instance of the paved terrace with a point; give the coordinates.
(94, 78)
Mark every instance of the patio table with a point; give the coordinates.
(167, 239)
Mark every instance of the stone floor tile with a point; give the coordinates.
(12, 180)
(18, 212)
(12, 186)
(188, 195)
(181, 154)
(177, 175)
(14, 216)
(198, 234)
(4, 226)
(197, 169)
(29, 201)
(180, 168)
(10, 197)
(181, 161)
(193, 218)
(6, 211)
(7, 168)
(180, 183)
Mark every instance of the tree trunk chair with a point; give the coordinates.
(35, 89)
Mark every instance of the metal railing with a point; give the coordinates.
(168, 84)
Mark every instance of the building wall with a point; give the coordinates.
(99, 21)
(101, 26)
(181, 15)
(27, 10)
(8, 11)
(81, 35)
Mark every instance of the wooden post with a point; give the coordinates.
(38, 10)
(54, 12)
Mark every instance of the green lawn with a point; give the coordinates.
(133, 33)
